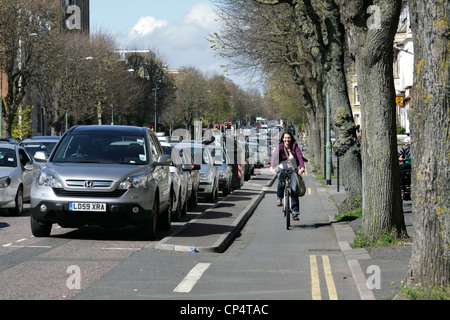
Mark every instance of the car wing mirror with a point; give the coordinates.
(163, 160)
(40, 156)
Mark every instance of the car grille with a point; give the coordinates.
(93, 184)
(89, 194)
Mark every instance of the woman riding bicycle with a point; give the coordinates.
(288, 156)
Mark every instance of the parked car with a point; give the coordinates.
(179, 180)
(225, 169)
(193, 175)
(259, 158)
(9, 140)
(17, 172)
(239, 161)
(209, 175)
(103, 175)
(40, 143)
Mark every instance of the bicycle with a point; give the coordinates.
(286, 184)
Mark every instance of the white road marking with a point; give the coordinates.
(130, 249)
(21, 247)
(191, 279)
(11, 245)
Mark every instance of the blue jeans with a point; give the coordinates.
(295, 207)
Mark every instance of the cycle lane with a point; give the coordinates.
(266, 261)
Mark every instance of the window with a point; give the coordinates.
(154, 151)
(355, 95)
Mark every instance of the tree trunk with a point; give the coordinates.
(314, 114)
(430, 144)
(347, 146)
(373, 50)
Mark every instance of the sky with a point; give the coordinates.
(177, 30)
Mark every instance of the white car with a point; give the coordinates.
(225, 169)
(40, 143)
(179, 180)
(209, 174)
(193, 175)
(17, 172)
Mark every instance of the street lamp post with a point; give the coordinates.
(328, 144)
(156, 90)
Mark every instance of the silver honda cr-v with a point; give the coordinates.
(103, 175)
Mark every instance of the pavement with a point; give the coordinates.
(384, 268)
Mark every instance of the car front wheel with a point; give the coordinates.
(40, 229)
(166, 217)
(149, 228)
(17, 210)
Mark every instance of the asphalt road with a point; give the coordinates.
(264, 262)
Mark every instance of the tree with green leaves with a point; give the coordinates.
(220, 107)
(191, 96)
(309, 39)
(23, 29)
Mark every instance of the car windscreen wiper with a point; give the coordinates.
(92, 161)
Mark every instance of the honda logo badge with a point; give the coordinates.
(88, 184)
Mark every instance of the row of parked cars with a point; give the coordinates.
(18, 170)
(114, 176)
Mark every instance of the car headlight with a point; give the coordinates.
(133, 182)
(48, 179)
(4, 182)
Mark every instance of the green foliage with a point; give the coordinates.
(401, 130)
(21, 127)
(386, 239)
(349, 216)
(421, 293)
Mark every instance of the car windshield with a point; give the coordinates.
(218, 154)
(33, 147)
(200, 152)
(102, 149)
(186, 156)
(7, 158)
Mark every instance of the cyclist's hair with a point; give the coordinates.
(289, 133)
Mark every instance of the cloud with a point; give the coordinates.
(201, 14)
(147, 25)
(183, 42)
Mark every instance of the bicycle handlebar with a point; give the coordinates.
(285, 170)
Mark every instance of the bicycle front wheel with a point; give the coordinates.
(287, 208)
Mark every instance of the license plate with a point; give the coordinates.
(87, 206)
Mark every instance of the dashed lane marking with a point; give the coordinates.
(192, 278)
(12, 245)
